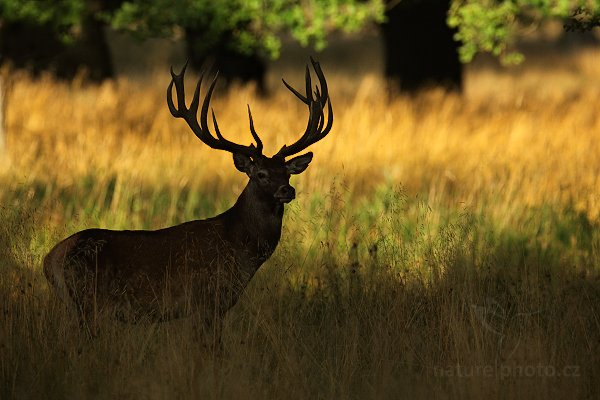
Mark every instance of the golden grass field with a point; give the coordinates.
(440, 246)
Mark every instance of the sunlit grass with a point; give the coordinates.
(432, 237)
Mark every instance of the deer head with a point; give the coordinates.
(269, 175)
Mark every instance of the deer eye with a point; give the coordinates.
(262, 175)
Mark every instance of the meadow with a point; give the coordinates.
(440, 246)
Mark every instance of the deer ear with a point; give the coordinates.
(298, 164)
(242, 162)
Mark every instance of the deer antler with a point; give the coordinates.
(316, 118)
(201, 129)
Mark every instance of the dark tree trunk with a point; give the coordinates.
(220, 56)
(420, 49)
(39, 48)
(3, 94)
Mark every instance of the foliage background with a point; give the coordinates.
(258, 26)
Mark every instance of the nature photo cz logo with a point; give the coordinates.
(496, 319)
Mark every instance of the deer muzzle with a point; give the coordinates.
(285, 193)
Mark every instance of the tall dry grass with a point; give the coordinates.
(440, 246)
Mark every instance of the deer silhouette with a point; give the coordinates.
(199, 267)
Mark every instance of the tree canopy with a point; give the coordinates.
(493, 25)
(259, 25)
(255, 25)
(65, 16)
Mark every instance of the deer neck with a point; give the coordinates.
(257, 218)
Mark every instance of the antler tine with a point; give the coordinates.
(196, 99)
(306, 100)
(323, 133)
(217, 131)
(201, 129)
(179, 92)
(259, 143)
(329, 117)
(320, 133)
(324, 93)
(307, 138)
(316, 127)
(181, 111)
(309, 95)
(204, 113)
(296, 93)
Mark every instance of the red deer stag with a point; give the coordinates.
(199, 267)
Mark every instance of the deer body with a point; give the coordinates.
(157, 273)
(198, 267)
